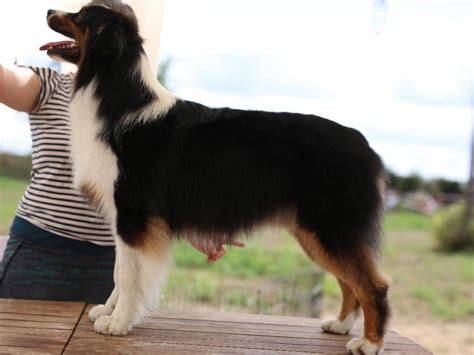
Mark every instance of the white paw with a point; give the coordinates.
(363, 346)
(337, 326)
(111, 326)
(98, 311)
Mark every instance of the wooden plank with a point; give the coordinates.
(252, 328)
(33, 324)
(59, 333)
(37, 318)
(11, 302)
(32, 341)
(56, 327)
(234, 340)
(299, 334)
(169, 331)
(29, 326)
(33, 302)
(311, 325)
(307, 323)
(127, 344)
(232, 317)
(26, 350)
(166, 348)
(61, 312)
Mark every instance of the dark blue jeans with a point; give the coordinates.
(32, 271)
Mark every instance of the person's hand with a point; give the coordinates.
(212, 249)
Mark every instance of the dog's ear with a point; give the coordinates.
(109, 41)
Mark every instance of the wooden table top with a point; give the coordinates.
(63, 327)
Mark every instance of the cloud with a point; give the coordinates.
(406, 89)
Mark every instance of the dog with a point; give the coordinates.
(162, 168)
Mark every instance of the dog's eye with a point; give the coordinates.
(79, 18)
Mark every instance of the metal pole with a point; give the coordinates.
(470, 183)
(470, 194)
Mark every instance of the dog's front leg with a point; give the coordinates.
(139, 277)
(106, 309)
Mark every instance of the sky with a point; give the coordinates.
(402, 76)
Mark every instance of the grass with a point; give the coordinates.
(427, 283)
(272, 275)
(407, 220)
(11, 191)
(264, 277)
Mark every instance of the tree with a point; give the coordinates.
(411, 183)
(446, 186)
(394, 180)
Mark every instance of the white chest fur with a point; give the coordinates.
(94, 163)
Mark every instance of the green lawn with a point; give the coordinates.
(277, 277)
(11, 191)
(272, 274)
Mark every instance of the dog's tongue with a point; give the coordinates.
(59, 44)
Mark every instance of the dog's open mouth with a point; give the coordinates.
(69, 50)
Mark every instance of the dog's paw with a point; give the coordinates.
(111, 326)
(337, 326)
(98, 311)
(363, 346)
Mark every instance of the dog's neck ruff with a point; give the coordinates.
(100, 111)
(158, 107)
(94, 163)
(127, 93)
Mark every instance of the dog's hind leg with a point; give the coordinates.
(361, 281)
(142, 268)
(348, 313)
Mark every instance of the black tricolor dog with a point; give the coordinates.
(163, 168)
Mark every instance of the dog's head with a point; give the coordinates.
(103, 28)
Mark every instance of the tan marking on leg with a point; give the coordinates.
(366, 288)
(313, 248)
(359, 273)
(349, 301)
(156, 239)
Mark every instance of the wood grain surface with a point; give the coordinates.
(63, 327)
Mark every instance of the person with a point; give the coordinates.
(60, 247)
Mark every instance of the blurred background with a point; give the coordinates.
(400, 71)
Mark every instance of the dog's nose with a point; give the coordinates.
(50, 12)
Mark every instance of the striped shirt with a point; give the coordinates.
(51, 202)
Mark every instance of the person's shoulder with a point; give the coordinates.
(49, 75)
(52, 83)
(40, 71)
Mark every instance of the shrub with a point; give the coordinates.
(15, 166)
(449, 227)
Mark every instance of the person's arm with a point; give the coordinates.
(19, 88)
